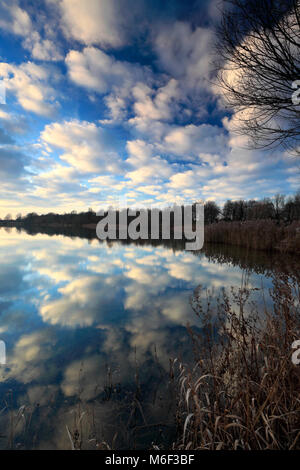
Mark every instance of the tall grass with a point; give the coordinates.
(243, 392)
(256, 234)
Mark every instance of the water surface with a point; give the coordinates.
(90, 328)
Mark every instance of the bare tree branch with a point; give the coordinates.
(258, 60)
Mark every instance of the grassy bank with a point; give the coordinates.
(256, 235)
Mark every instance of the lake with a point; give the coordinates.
(90, 329)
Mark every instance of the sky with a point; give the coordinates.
(106, 102)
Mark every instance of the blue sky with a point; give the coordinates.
(113, 100)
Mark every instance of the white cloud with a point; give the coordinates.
(16, 20)
(140, 152)
(154, 172)
(194, 140)
(60, 182)
(27, 361)
(42, 49)
(83, 302)
(86, 147)
(93, 21)
(185, 53)
(172, 153)
(183, 180)
(156, 105)
(148, 168)
(95, 70)
(30, 83)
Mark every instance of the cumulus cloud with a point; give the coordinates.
(136, 91)
(30, 354)
(123, 83)
(94, 21)
(86, 146)
(156, 144)
(195, 140)
(95, 70)
(61, 183)
(42, 49)
(156, 104)
(16, 20)
(29, 82)
(147, 167)
(84, 302)
(185, 52)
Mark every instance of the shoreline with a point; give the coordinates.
(260, 235)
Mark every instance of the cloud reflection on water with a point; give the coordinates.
(67, 304)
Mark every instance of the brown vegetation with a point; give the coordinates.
(244, 390)
(256, 235)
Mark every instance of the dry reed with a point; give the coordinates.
(243, 392)
(256, 235)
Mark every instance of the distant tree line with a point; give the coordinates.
(51, 219)
(280, 208)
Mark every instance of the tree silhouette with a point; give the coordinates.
(258, 63)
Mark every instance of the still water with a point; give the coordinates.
(90, 328)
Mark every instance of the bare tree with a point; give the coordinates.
(258, 63)
(211, 212)
(278, 205)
